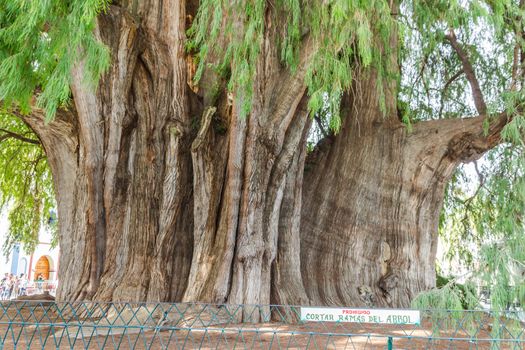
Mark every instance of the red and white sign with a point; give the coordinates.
(387, 316)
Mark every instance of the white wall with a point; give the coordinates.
(5, 262)
(43, 249)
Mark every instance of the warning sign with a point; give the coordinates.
(387, 316)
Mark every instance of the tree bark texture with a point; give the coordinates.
(372, 199)
(166, 194)
(163, 195)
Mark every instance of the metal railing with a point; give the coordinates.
(93, 325)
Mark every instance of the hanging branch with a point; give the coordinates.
(479, 101)
(517, 55)
(10, 134)
(515, 65)
(445, 88)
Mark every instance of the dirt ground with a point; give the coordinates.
(36, 332)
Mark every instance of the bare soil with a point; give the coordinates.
(37, 332)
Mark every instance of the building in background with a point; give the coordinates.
(43, 261)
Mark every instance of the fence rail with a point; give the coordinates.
(93, 325)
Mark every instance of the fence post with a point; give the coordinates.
(390, 343)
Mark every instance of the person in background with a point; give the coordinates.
(12, 283)
(4, 286)
(40, 283)
(16, 287)
(22, 285)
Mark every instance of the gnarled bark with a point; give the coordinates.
(169, 198)
(372, 195)
(168, 194)
(372, 200)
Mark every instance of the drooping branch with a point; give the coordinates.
(477, 95)
(445, 88)
(515, 65)
(517, 59)
(9, 134)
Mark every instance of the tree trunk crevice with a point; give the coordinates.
(166, 193)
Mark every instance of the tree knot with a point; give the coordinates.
(205, 125)
(389, 281)
(366, 295)
(467, 147)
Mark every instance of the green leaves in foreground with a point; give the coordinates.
(348, 35)
(40, 41)
(26, 188)
(450, 294)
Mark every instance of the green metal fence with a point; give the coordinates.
(90, 325)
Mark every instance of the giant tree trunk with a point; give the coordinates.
(166, 194)
(372, 200)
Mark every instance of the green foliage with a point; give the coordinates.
(349, 35)
(26, 188)
(481, 223)
(448, 295)
(484, 230)
(239, 56)
(40, 41)
(486, 31)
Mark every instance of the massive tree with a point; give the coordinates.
(179, 138)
